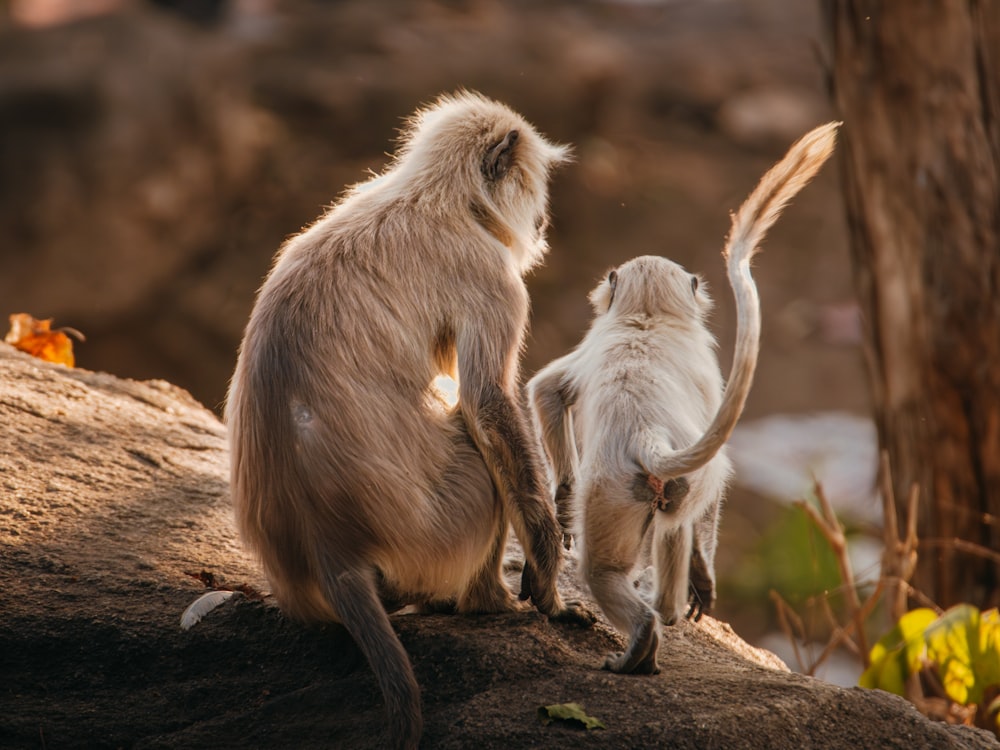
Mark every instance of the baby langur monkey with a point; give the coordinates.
(359, 490)
(635, 418)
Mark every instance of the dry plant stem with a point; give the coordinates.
(838, 633)
(890, 540)
(899, 559)
(964, 546)
(834, 533)
(899, 556)
(786, 618)
(843, 635)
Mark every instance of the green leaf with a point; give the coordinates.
(572, 713)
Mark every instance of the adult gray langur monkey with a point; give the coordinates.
(634, 420)
(354, 483)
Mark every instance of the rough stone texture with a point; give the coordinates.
(114, 510)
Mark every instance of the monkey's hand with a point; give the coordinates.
(571, 612)
(527, 576)
(564, 498)
(702, 588)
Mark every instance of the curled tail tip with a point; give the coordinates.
(819, 142)
(776, 188)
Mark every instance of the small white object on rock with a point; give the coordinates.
(202, 606)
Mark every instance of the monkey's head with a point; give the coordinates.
(468, 151)
(651, 286)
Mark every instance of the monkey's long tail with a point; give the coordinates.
(750, 224)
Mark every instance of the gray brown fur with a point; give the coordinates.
(635, 419)
(354, 483)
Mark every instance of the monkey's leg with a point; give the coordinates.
(466, 483)
(706, 535)
(672, 559)
(627, 612)
(503, 437)
(610, 543)
(487, 592)
(354, 596)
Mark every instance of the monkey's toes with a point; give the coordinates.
(699, 607)
(575, 613)
(695, 611)
(620, 664)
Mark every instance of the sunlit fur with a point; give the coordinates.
(642, 397)
(352, 480)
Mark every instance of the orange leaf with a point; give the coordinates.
(36, 338)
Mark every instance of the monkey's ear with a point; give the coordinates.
(612, 285)
(694, 284)
(500, 157)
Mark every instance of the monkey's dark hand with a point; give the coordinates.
(564, 494)
(702, 588)
(527, 578)
(572, 612)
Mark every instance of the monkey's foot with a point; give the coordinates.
(695, 611)
(490, 603)
(619, 663)
(640, 658)
(437, 607)
(575, 613)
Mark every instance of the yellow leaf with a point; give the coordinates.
(899, 653)
(955, 643)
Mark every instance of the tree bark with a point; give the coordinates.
(916, 83)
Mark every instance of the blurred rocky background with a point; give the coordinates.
(154, 155)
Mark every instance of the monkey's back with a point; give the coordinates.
(324, 427)
(637, 382)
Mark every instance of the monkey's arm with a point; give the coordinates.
(550, 396)
(488, 346)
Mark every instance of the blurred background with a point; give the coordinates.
(155, 154)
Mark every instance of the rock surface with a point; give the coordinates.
(114, 516)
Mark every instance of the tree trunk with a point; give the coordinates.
(916, 83)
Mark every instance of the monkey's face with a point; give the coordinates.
(470, 150)
(515, 168)
(651, 286)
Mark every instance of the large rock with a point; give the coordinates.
(114, 514)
